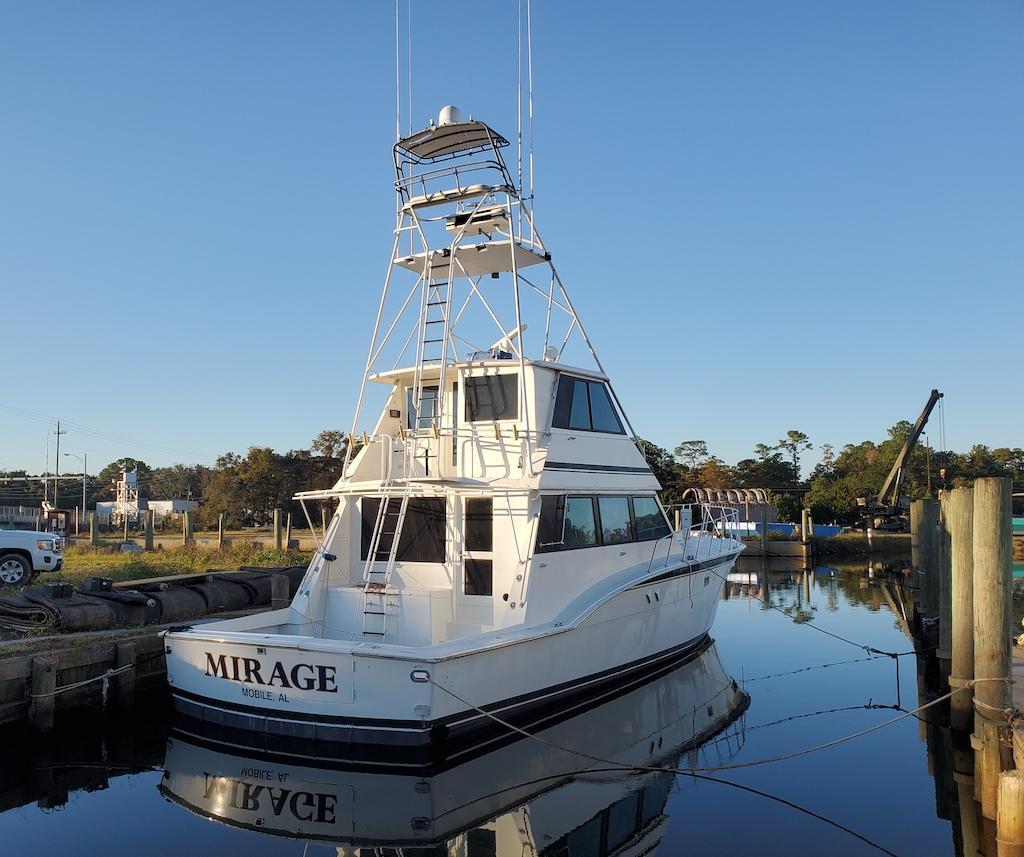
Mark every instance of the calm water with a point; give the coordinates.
(99, 787)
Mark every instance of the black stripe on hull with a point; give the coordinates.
(415, 747)
(595, 468)
(683, 570)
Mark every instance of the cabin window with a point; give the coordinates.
(480, 842)
(552, 515)
(616, 524)
(580, 522)
(583, 405)
(423, 532)
(426, 418)
(492, 397)
(479, 576)
(650, 520)
(479, 530)
(570, 522)
(602, 414)
(455, 424)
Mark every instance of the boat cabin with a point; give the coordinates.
(504, 524)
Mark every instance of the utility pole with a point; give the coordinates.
(46, 469)
(84, 458)
(56, 473)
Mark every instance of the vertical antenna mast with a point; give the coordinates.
(529, 89)
(408, 30)
(518, 95)
(398, 76)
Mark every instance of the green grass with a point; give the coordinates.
(82, 561)
(857, 543)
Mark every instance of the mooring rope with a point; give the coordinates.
(104, 676)
(815, 667)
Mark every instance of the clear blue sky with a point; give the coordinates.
(770, 215)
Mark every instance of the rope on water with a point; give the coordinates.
(814, 667)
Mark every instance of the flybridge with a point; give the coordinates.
(468, 268)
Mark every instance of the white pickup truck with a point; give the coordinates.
(26, 553)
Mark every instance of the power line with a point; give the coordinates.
(100, 434)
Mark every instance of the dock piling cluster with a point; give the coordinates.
(962, 563)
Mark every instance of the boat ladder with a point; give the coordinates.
(378, 596)
(432, 350)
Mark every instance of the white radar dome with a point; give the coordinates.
(450, 115)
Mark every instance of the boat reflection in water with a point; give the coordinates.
(516, 795)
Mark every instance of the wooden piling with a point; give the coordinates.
(94, 530)
(958, 519)
(1010, 816)
(930, 554)
(323, 520)
(148, 532)
(220, 531)
(944, 579)
(126, 657)
(993, 569)
(277, 529)
(920, 548)
(993, 574)
(987, 766)
(279, 592)
(43, 700)
(764, 529)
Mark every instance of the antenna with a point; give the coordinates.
(529, 87)
(408, 63)
(519, 98)
(398, 77)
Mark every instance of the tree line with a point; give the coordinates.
(831, 488)
(246, 489)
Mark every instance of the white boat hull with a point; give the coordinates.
(345, 695)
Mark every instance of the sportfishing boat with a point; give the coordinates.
(542, 797)
(497, 545)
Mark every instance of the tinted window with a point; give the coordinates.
(584, 406)
(602, 414)
(650, 522)
(455, 424)
(479, 532)
(579, 412)
(426, 419)
(580, 526)
(549, 530)
(423, 533)
(563, 401)
(492, 397)
(481, 843)
(479, 576)
(616, 526)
